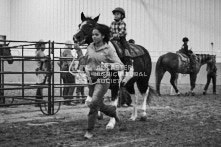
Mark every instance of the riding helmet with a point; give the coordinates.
(185, 39)
(121, 10)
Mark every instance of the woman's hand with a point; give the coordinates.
(105, 65)
(115, 36)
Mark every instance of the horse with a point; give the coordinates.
(176, 63)
(5, 54)
(142, 68)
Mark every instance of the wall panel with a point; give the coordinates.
(5, 17)
(159, 25)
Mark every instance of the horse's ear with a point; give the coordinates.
(96, 18)
(82, 17)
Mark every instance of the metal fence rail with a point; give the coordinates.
(49, 105)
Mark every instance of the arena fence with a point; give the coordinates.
(18, 93)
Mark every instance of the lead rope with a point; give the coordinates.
(75, 68)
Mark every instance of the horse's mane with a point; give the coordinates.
(204, 55)
(88, 18)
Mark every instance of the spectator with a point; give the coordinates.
(41, 67)
(68, 79)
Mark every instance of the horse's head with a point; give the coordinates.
(6, 52)
(84, 34)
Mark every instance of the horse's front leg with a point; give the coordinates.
(173, 79)
(144, 106)
(134, 111)
(192, 83)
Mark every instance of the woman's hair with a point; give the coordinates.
(104, 30)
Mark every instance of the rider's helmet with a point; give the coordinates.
(121, 10)
(185, 39)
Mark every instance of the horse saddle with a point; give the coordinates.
(135, 50)
(183, 57)
(184, 60)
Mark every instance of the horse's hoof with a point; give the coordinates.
(143, 118)
(109, 127)
(193, 94)
(132, 118)
(204, 93)
(88, 135)
(158, 94)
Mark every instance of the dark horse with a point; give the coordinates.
(142, 66)
(177, 63)
(5, 54)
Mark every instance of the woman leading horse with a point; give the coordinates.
(142, 65)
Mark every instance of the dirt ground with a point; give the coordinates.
(172, 121)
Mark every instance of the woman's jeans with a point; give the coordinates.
(209, 77)
(98, 91)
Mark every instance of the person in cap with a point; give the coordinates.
(184, 47)
(186, 51)
(119, 31)
(41, 67)
(131, 41)
(68, 79)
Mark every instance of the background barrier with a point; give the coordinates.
(18, 80)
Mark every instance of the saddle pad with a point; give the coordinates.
(135, 50)
(183, 57)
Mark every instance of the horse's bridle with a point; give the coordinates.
(86, 32)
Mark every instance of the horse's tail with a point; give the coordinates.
(151, 93)
(159, 72)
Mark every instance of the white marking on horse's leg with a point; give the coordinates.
(172, 91)
(88, 100)
(128, 75)
(99, 113)
(144, 106)
(121, 75)
(115, 102)
(134, 103)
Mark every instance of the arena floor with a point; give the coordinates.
(172, 121)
